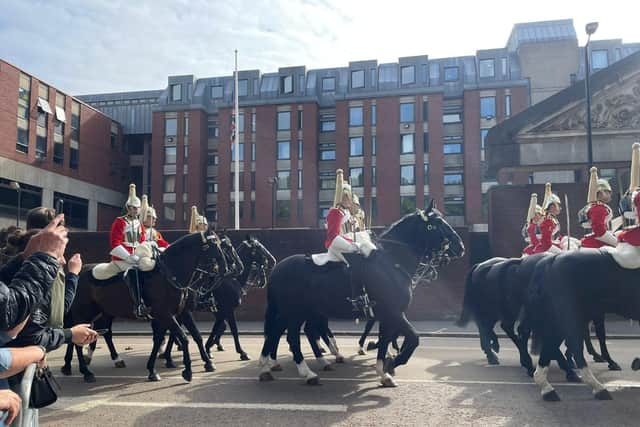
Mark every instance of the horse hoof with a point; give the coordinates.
(187, 375)
(551, 396)
(493, 359)
(154, 377)
(572, 364)
(339, 359)
(313, 381)
(635, 365)
(244, 356)
(361, 352)
(66, 370)
(162, 355)
(219, 348)
(495, 346)
(389, 366)
(120, 364)
(266, 376)
(208, 367)
(328, 368)
(531, 371)
(603, 395)
(89, 378)
(276, 368)
(388, 381)
(322, 349)
(87, 360)
(598, 359)
(371, 345)
(613, 366)
(170, 365)
(572, 377)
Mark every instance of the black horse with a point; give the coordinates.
(300, 290)
(251, 265)
(567, 291)
(184, 263)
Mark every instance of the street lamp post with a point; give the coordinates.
(274, 191)
(590, 28)
(16, 186)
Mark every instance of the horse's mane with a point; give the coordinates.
(182, 243)
(394, 226)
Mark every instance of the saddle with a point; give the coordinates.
(626, 255)
(118, 278)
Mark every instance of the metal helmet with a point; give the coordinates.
(133, 200)
(144, 207)
(534, 207)
(549, 197)
(150, 212)
(194, 220)
(634, 180)
(342, 189)
(596, 185)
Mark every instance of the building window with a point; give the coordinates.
(407, 175)
(407, 144)
(243, 87)
(186, 152)
(327, 151)
(328, 84)
(451, 118)
(212, 159)
(487, 68)
(488, 107)
(373, 176)
(284, 180)
(41, 146)
(327, 181)
(284, 150)
(212, 187)
(232, 180)
(374, 142)
(176, 92)
(408, 75)
(169, 212)
(24, 89)
(328, 123)
(355, 116)
(24, 95)
(373, 115)
(75, 209)
(406, 112)
(253, 122)
(186, 126)
(286, 84)
(284, 120)
(58, 153)
(253, 152)
(407, 204)
(452, 179)
(283, 208)
(454, 206)
(356, 177)
(74, 158)
(504, 67)
(170, 127)
(426, 173)
(169, 155)
(425, 142)
(299, 179)
(75, 121)
(507, 105)
(355, 146)
(240, 150)
(299, 149)
(240, 122)
(22, 140)
(450, 74)
(599, 59)
(212, 131)
(357, 79)
(216, 92)
(483, 136)
(425, 111)
(253, 181)
(300, 119)
(169, 183)
(374, 208)
(452, 148)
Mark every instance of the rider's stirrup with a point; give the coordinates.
(143, 312)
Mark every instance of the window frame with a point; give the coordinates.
(402, 74)
(281, 144)
(357, 73)
(448, 78)
(492, 61)
(412, 181)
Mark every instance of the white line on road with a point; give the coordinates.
(439, 331)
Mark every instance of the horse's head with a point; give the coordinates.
(439, 233)
(236, 266)
(258, 260)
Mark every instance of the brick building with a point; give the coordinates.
(57, 147)
(404, 132)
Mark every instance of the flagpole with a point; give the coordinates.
(236, 148)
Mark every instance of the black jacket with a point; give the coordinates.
(23, 285)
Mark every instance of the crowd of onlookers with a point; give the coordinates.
(35, 294)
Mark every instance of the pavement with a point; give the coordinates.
(616, 329)
(447, 382)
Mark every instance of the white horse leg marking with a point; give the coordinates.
(265, 364)
(540, 378)
(304, 371)
(333, 347)
(589, 378)
(380, 368)
(323, 362)
(89, 353)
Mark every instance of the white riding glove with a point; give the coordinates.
(133, 259)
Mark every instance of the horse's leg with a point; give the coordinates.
(507, 326)
(311, 330)
(68, 357)
(599, 391)
(88, 356)
(540, 375)
(332, 343)
(233, 326)
(411, 341)
(166, 354)
(158, 337)
(367, 329)
(84, 369)
(108, 338)
(485, 332)
(589, 345)
(524, 332)
(293, 338)
(181, 337)
(386, 333)
(213, 336)
(190, 324)
(602, 339)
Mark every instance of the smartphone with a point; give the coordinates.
(59, 206)
(101, 331)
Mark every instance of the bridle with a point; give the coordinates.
(257, 271)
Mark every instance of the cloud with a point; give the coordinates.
(84, 46)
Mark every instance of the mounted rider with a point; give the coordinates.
(357, 214)
(597, 214)
(198, 222)
(342, 237)
(128, 253)
(531, 227)
(149, 218)
(631, 235)
(550, 226)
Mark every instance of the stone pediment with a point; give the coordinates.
(614, 107)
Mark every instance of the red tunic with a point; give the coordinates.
(157, 237)
(334, 226)
(599, 215)
(533, 239)
(631, 236)
(549, 228)
(124, 232)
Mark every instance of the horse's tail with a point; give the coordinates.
(270, 315)
(465, 315)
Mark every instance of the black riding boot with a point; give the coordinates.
(359, 298)
(141, 311)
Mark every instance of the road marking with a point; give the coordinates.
(439, 331)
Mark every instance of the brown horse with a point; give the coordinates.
(165, 291)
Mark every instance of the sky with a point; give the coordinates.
(96, 46)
